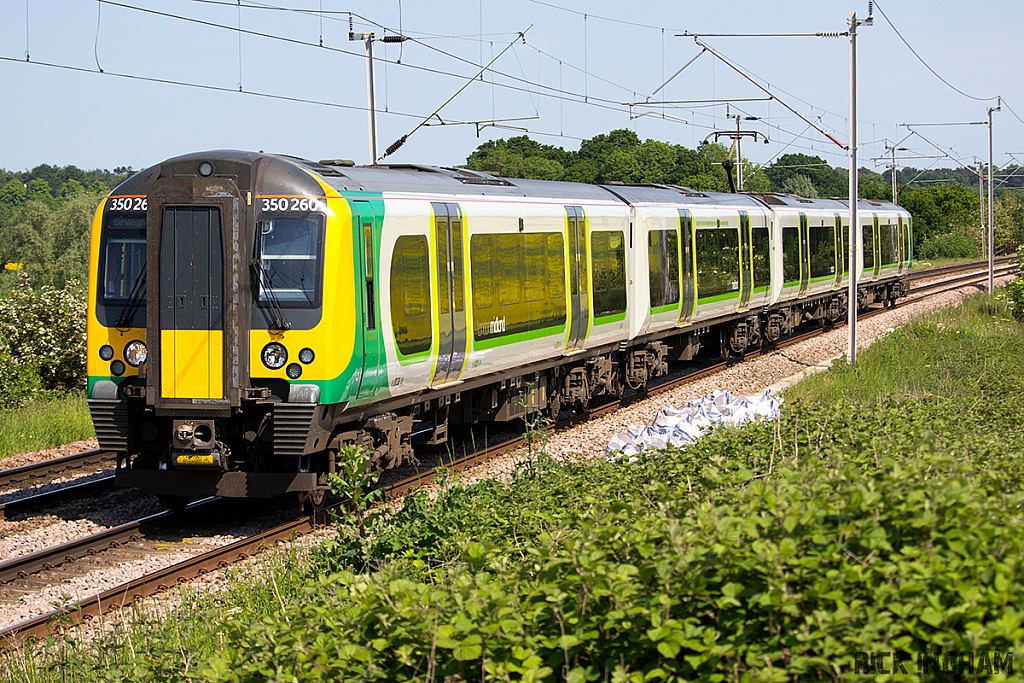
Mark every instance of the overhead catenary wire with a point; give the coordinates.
(401, 141)
(756, 84)
(584, 98)
(552, 92)
(203, 86)
(926, 65)
(588, 75)
(96, 42)
(541, 89)
(534, 90)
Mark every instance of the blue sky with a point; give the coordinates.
(580, 62)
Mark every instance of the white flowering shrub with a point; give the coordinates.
(42, 340)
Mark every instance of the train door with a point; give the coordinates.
(871, 247)
(746, 260)
(579, 278)
(686, 265)
(367, 240)
(451, 293)
(805, 254)
(901, 237)
(191, 303)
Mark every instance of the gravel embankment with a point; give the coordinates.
(89, 576)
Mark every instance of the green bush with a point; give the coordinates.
(886, 529)
(1015, 297)
(42, 330)
(773, 552)
(953, 244)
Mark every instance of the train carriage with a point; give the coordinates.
(251, 313)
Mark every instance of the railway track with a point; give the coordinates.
(46, 471)
(56, 496)
(43, 625)
(956, 268)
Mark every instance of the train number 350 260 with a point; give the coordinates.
(291, 204)
(128, 204)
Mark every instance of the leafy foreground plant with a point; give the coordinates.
(867, 535)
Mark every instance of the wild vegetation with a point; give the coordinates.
(45, 220)
(882, 513)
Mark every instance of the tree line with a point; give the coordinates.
(945, 206)
(45, 220)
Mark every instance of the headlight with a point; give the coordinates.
(294, 371)
(274, 355)
(106, 352)
(306, 356)
(136, 353)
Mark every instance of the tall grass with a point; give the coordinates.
(974, 349)
(44, 424)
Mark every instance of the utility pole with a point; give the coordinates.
(981, 203)
(893, 149)
(991, 216)
(737, 136)
(851, 355)
(371, 90)
(739, 155)
(894, 175)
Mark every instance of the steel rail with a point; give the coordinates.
(53, 467)
(925, 273)
(48, 558)
(58, 495)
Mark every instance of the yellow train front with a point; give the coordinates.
(209, 347)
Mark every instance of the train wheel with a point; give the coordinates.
(554, 408)
(175, 504)
(312, 501)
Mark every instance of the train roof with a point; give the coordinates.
(345, 176)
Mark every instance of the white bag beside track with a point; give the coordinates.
(678, 427)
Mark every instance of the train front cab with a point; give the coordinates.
(227, 268)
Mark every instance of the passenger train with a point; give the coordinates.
(250, 314)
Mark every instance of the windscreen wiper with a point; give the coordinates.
(135, 299)
(279, 321)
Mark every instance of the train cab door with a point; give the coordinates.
(746, 260)
(686, 273)
(191, 314)
(805, 255)
(366, 220)
(579, 279)
(451, 293)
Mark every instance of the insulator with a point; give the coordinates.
(395, 145)
(393, 39)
